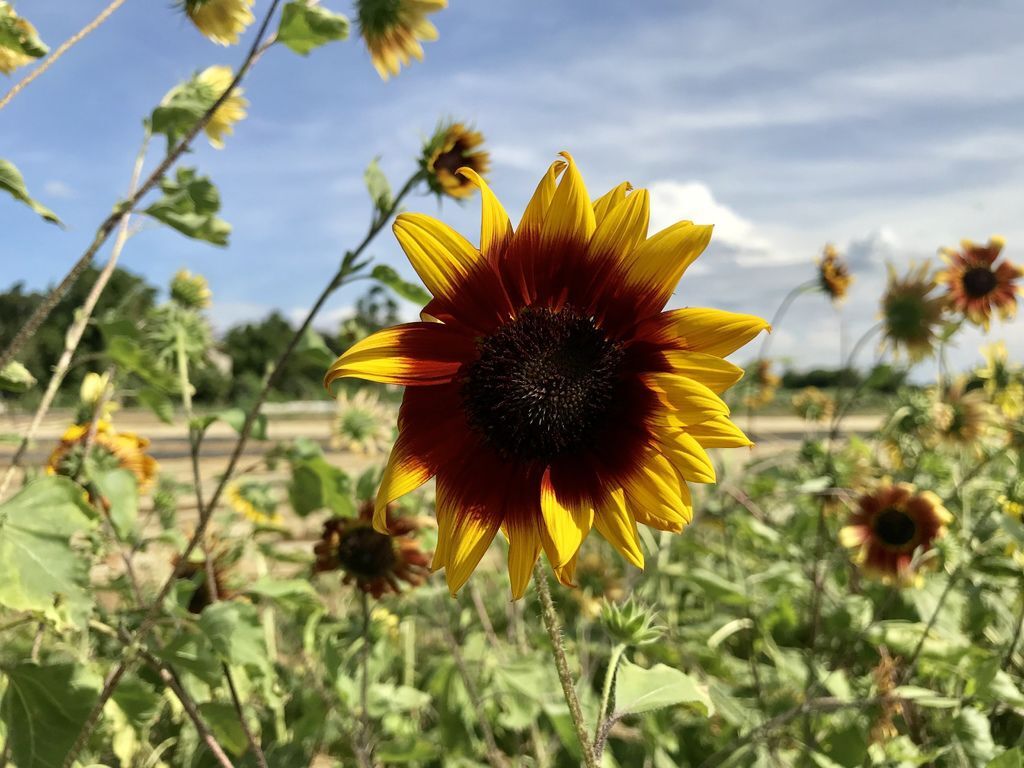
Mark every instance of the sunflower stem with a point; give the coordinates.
(550, 617)
(606, 693)
(363, 749)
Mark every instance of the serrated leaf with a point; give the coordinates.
(227, 729)
(306, 27)
(640, 690)
(43, 708)
(974, 734)
(37, 560)
(409, 291)
(12, 182)
(378, 187)
(190, 205)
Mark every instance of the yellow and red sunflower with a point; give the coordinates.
(376, 562)
(834, 276)
(454, 146)
(976, 286)
(890, 525)
(547, 390)
(109, 448)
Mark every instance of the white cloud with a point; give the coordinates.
(673, 201)
(873, 249)
(58, 189)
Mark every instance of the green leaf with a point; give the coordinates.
(305, 27)
(16, 378)
(642, 690)
(972, 731)
(227, 728)
(43, 709)
(234, 418)
(1013, 758)
(925, 697)
(158, 402)
(313, 350)
(37, 560)
(235, 632)
(409, 291)
(378, 187)
(316, 484)
(288, 591)
(190, 205)
(12, 182)
(121, 492)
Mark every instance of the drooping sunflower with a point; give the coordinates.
(255, 502)
(833, 274)
(452, 147)
(222, 21)
(890, 525)
(393, 29)
(547, 391)
(766, 383)
(109, 448)
(910, 313)
(216, 80)
(377, 563)
(976, 287)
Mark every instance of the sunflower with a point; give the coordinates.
(546, 389)
(393, 29)
(109, 449)
(222, 21)
(376, 562)
(362, 423)
(766, 383)
(452, 147)
(812, 404)
(1002, 381)
(976, 286)
(19, 41)
(214, 81)
(891, 524)
(254, 502)
(959, 417)
(910, 315)
(833, 274)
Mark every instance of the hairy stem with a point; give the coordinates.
(606, 695)
(554, 630)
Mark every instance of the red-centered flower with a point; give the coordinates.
(976, 286)
(547, 390)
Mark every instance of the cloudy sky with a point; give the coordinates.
(890, 129)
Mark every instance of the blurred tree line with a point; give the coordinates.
(251, 347)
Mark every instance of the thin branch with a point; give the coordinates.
(64, 47)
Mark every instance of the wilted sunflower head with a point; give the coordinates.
(190, 291)
(453, 146)
(550, 393)
(222, 21)
(959, 416)
(19, 42)
(975, 286)
(362, 423)
(377, 563)
(891, 524)
(213, 82)
(393, 29)
(108, 449)
(833, 274)
(255, 501)
(910, 314)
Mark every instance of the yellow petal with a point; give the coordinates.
(566, 523)
(719, 432)
(469, 534)
(693, 402)
(657, 496)
(537, 208)
(413, 354)
(618, 527)
(441, 256)
(571, 214)
(523, 551)
(405, 471)
(687, 456)
(607, 202)
(711, 331)
(853, 535)
(495, 228)
(566, 574)
(624, 227)
(444, 512)
(655, 266)
(711, 371)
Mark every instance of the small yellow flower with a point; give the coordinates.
(453, 147)
(393, 29)
(833, 274)
(1010, 507)
(254, 502)
(94, 385)
(190, 291)
(216, 80)
(222, 21)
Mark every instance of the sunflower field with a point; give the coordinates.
(533, 504)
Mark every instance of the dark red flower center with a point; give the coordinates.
(451, 160)
(979, 281)
(895, 527)
(542, 383)
(365, 553)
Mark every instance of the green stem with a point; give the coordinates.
(554, 630)
(606, 690)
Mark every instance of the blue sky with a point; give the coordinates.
(888, 128)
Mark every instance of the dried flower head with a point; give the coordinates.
(393, 29)
(976, 287)
(814, 405)
(362, 423)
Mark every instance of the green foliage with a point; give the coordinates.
(16, 378)
(12, 182)
(409, 291)
(18, 36)
(190, 205)
(305, 27)
(639, 690)
(378, 187)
